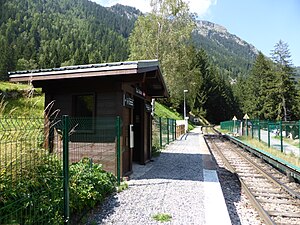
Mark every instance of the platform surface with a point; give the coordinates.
(182, 183)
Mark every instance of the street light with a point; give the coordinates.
(184, 112)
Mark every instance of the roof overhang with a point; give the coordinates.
(149, 69)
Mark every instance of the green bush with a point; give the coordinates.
(89, 185)
(33, 195)
(37, 195)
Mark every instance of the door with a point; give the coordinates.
(126, 151)
(138, 124)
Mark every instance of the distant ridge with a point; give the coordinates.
(49, 34)
(230, 53)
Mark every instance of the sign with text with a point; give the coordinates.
(148, 107)
(140, 92)
(128, 101)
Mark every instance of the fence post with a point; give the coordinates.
(252, 129)
(66, 124)
(168, 131)
(118, 128)
(174, 129)
(160, 132)
(268, 134)
(258, 130)
(281, 141)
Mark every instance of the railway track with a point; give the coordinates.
(276, 199)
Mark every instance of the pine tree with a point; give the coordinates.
(286, 84)
(256, 88)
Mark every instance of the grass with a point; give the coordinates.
(290, 158)
(289, 141)
(31, 106)
(162, 217)
(163, 111)
(123, 186)
(25, 107)
(7, 86)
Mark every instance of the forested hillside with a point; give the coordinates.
(232, 55)
(44, 34)
(216, 67)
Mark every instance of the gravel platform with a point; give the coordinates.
(172, 183)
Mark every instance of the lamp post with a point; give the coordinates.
(184, 112)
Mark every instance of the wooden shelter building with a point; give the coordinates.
(122, 89)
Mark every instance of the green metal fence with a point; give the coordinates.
(30, 178)
(163, 131)
(35, 154)
(280, 135)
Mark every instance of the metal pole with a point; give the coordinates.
(281, 141)
(168, 131)
(252, 129)
(268, 134)
(234, 126)
(66, 123)
(175, 130)
(246, 128)
(160, 132)
(184, 111)
(118, 128)
(299, 135)
(258, 130)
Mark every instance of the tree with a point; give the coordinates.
(165, 34)
(214, 96)
(259, 88)
(286, 84)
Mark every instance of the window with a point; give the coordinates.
(84, 112)
(84, 105)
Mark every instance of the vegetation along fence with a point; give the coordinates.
(44, 161)
(164, 131)
(280, 135)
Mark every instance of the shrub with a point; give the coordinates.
(89, 185)
(37, 195)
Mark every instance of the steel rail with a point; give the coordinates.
(272, 161)
(269, 176)
(264, 214)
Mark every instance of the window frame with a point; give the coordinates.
(74, 111)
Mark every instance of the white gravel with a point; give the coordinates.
(171, 184)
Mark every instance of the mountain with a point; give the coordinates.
(232, 55)
(45, 34)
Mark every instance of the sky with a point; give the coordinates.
(261, 23)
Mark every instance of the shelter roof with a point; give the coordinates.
(148, 69)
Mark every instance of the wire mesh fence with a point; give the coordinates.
(93, 138)
(30, 177)
(35, 154)
(164, 131)
(280, 135)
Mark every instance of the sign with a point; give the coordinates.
(128, 101)
(139, 92)
(148, 107)
(246, 117)
(234, 118)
